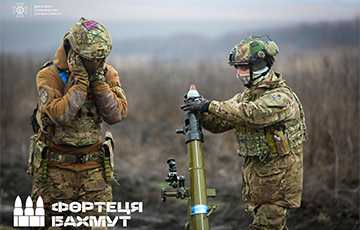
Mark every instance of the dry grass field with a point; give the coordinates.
(327, 83)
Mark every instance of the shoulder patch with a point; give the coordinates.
(277, 97)
(44, 96)
(276, 100)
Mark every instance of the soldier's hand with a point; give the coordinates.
(99, 73)
(193, 104)
(77, 68)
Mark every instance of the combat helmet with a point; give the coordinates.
(257, 54)
(90, 39)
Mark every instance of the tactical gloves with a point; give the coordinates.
(77, 69)
(198, 103)
(99, 72)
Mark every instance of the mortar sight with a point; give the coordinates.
(172, 165)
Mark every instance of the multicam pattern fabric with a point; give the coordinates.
(84, 128)
(74, 121)
(270, 217)
(68, 186)
(74, 99)
(269, 104)
(277, 180)
(77, 70)
(249, 48)
(252, 144)
(272, 185)
(35, 161)
(90, 39)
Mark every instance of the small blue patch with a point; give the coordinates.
(64, 76)
(277, 97)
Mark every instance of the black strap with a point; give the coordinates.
(33, 121)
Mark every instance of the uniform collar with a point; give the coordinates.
(272, 80)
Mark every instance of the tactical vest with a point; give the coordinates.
(84, 129)
(276, 139)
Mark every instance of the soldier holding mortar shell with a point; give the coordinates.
(270, 129)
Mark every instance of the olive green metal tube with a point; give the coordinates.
(190, 224)
(198, 194)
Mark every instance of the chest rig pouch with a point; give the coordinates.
(276, 139)
(297, 134)
(37, 163)
(84, 128)
(253, 142)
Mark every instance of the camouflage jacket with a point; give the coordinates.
(63, 103)
(257, 112)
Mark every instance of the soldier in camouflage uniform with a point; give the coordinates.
(270, 130)
(68, 161)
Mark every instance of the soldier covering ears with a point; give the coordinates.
(68, 159)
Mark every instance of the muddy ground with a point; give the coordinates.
(229, 215)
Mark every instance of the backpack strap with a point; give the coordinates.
(46, 64)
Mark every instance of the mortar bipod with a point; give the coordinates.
(176, 181)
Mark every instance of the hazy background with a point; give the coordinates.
(159, 49)
(146, 28)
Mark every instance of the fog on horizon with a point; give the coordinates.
(28, 32)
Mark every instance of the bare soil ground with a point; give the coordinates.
(229, 215)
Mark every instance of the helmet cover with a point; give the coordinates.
(255, 52)
(90, 39)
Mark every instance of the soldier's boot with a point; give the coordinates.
(270, 217)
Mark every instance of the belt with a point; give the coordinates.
(96, 156)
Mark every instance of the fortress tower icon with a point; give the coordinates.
(27, 217)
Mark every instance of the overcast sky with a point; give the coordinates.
(186, 10)
(129, 19)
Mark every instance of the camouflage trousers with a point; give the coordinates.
(271, 187)
(269, 216)
(67, 186)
